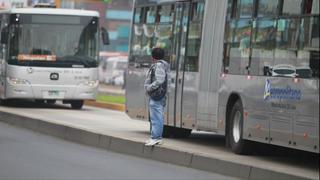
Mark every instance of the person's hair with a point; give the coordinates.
(157, 53)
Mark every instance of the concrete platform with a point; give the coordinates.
(115, 131)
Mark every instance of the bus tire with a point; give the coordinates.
(76, 104)
(235, 132)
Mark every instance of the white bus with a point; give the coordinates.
(246, 69)
(49, 54)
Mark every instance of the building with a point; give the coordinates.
(7, 4)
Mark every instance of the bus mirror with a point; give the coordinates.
(4, 36)
(105, 36)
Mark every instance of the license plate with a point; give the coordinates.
(53, 94)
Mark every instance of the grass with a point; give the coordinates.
(118, 99)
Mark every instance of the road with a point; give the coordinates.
(26, 155)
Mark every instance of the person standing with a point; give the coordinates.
(156, 86)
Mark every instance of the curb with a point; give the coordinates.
(112, 106)
(130, 147)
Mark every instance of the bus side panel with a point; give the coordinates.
(288, 117)
(2, 78)
(256, 120)
(135, 96)
(210, 64)
(306, 116)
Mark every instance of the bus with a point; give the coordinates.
(49, 54)
(245, 69)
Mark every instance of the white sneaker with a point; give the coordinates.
(152, 142)
(147, 141)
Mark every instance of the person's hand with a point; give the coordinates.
(148, 89)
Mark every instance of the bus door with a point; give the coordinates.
(177, 64)
(2, 57)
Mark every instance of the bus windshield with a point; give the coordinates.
(53, 40)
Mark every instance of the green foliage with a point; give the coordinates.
(111, 99)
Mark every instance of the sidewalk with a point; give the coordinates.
(113, 130)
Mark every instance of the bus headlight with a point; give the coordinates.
(17, 81)
(91, 83)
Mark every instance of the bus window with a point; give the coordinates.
(239, 36)
(263, 44)
(267, 8)
(194, 37)
(136, 39)
(244, 8)
(137, 30)
(138, 15)
(148, 29)
(163, 30)
(147, 39)
(151, 15)
(163, 36)
(291, 7)
(286, 41)
(308, 53)
(166, 14)
(287, 31)
(315, 7)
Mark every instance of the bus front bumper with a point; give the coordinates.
(57, 92)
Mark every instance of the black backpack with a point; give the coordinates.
(161, 91)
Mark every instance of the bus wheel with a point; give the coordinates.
(51, 101)
(76, 104)
(235, 132)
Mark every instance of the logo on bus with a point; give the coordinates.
(54, 76)
(286, 93)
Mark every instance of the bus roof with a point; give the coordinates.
(51, 11)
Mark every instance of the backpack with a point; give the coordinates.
(161, 91)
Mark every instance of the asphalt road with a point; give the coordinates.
(27, 155)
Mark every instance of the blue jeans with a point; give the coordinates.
(156, 109)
